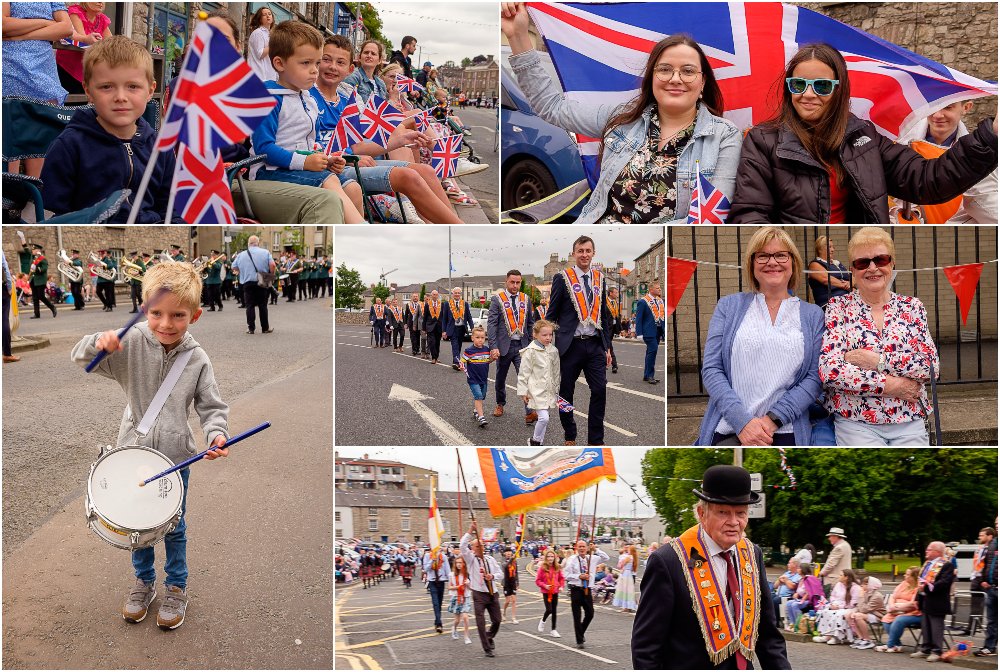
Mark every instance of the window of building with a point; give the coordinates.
(336, 516)
(338, 532)
(372, 511)
(405, 513)
(405, 527)
(373, 524)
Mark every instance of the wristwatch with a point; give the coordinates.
(775, 419)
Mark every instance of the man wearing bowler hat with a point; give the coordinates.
(839, 559)
(705, 598)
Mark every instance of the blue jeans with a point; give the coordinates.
(478, 391)
(436, 589)
(792, 611)
(991, 619)
(175, 543)
(898, 627)
(652, 345)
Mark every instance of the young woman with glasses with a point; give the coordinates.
(815, 162)
(877, 353)
(649, 145)
(761, 354)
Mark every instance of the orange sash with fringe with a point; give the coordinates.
(724, 634)
(584, 311)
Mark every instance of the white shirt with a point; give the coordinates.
(261, 65)
(765, 358)
(719, 566)
(475, 564)
(574, 567)
(581, 329)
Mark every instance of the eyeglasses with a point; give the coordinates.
(821, 87)
(665, 73)
(764, 257)
(881, 261)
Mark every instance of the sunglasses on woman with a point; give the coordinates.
(881, 261)
(821, 87)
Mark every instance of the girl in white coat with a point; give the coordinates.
(538, 378)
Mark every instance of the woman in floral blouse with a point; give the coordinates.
(877, 353)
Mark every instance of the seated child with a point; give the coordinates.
(416, 181)
(476, 364)
(143, 349)
(107, 147)
(287, 135)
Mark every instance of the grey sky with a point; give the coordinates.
(421, 253)
(444, 462)
(445, 31)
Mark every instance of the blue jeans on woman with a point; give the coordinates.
(792, 611)
(175, 545)
(898, 626)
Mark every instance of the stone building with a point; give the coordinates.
(364, 473)
(482, 78)
(650, 266)
(554, 266)
(916, 248)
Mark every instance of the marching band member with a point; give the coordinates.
(39, 275)
(135, 286)
(176, 254)
(293, 267)
(76, 288)
(106, 288)
(649, 322)
(457, 322)
(213, 283)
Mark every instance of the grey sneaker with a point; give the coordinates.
(138, 601)
(172, 608)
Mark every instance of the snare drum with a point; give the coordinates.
(283, 276)
(124, 514)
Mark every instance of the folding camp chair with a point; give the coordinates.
(38, 124)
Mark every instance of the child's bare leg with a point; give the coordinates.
(479, 407)
(409, 183)
(350, 198)
(33, 167)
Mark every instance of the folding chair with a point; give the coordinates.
(373, 212)
(963, 622)
(237, 170)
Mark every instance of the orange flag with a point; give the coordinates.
(964, 280)
(679, 272)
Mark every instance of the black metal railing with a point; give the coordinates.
(958, 353)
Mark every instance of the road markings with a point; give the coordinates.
(647, 395)
(412, 634)
(360, 661)
(568, 648)
(442, 429)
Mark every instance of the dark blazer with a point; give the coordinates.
(563, 312)
(449, 320)
(411, 318)
(391, 320)
(431, 323)
(497, 337)
(645, 321)
(374, 318)
(937, 602)
(666, 635)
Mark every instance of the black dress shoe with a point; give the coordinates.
(652, 381)
(33, 317)
(490, 654)
(614, 369)
(211, 310)
(133, 311)
(250, 331)
(267, 331)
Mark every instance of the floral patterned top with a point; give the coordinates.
(646, 188)
(905, 344)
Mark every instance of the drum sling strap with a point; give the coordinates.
(155, 406)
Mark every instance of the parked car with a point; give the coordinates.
(479, 317)
(537, 158)
(963, 556)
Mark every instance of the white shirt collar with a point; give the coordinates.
(712, 547)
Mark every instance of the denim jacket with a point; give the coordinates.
(715, 144)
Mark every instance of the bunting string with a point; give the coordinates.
(786, 468)
(698, 480)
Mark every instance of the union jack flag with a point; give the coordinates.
(600, 50)
(564, 406)
(350, 128)
(423, 120)
(218, 100)
(444, 156)
(202, 191)
(708, 204)
(380, 118)
(408, 84)
(73, 43)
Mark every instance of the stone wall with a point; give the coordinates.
(960, 35)
(915, 248)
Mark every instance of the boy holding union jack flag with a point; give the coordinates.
(108, 147)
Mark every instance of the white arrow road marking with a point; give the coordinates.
(548, 640)
(441, 428)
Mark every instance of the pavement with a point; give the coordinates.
(434, 402)
(392, 627)
(484, 185)
(259, 522)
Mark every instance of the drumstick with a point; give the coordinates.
(131, 323)
(194, 458)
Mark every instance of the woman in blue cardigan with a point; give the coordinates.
(761, 365)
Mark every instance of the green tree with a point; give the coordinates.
(293, 236)
(349, 288)
(372, 22)
(423, 290)
(533, 293)
(380, 291)
(240, 239)
(466, 62)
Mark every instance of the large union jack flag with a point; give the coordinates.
(408, 84)
(350, 128)
(202, 191)
(380, 118)
(444, 156)
(218, 100)
(599, 51)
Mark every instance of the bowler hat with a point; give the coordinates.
(837, 532)
(726, 484)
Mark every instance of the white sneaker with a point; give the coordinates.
(555, 633)
(933, 658)
(865, 645)
(833, 641)
(466, 167)
(820, 639)
(467, 640)
(454, 633)
(411, 213)
(541, 625)
(515, 621)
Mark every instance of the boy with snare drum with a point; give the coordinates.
(139, 362)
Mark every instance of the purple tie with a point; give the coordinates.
(734, 600)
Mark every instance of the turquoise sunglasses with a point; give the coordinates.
(821, 87)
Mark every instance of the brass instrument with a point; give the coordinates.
(205, 268)
(66, 267)
(101, 269)
(131, 271)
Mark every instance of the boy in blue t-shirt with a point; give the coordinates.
(476, 364)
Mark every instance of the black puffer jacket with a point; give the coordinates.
(779, 182)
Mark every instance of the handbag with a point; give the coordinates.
(264, 278)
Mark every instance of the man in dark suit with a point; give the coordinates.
(377, 317)
(649, 325)
(413, 315)
(457, 322)
(578, 304)
(934, 600)
(615, 308)
(734, 622)
(508, 331)
(433, 325)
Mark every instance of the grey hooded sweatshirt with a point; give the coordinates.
(139, 368)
